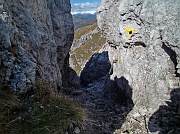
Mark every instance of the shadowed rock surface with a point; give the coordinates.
(35, 40)
(166, 119)
(97, 67)
(106, 108)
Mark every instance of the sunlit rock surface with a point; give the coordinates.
(149, 56)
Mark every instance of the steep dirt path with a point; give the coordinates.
(105, 109)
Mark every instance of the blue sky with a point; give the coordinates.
(84, 6)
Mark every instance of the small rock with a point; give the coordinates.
(30, 110)
(136, 115)
(77, 130)
(77, 92)
(19, 118)
(41, 107)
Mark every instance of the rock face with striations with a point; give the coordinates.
(35, 38)
(149, 58)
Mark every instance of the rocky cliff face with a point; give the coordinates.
(35, 38)
(148, 55)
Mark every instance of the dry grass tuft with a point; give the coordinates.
(47, 113)
(9, 104)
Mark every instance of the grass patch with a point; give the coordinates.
(9, 104)
(47, 113)
(84, 30)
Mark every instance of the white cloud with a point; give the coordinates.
(84, 12)
(84, 7)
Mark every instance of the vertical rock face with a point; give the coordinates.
(35, 38)
(149, 55)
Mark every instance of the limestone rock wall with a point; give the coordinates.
(35, 38)
(149, 59)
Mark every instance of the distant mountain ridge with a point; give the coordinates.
(85, 15)
(81, 20)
